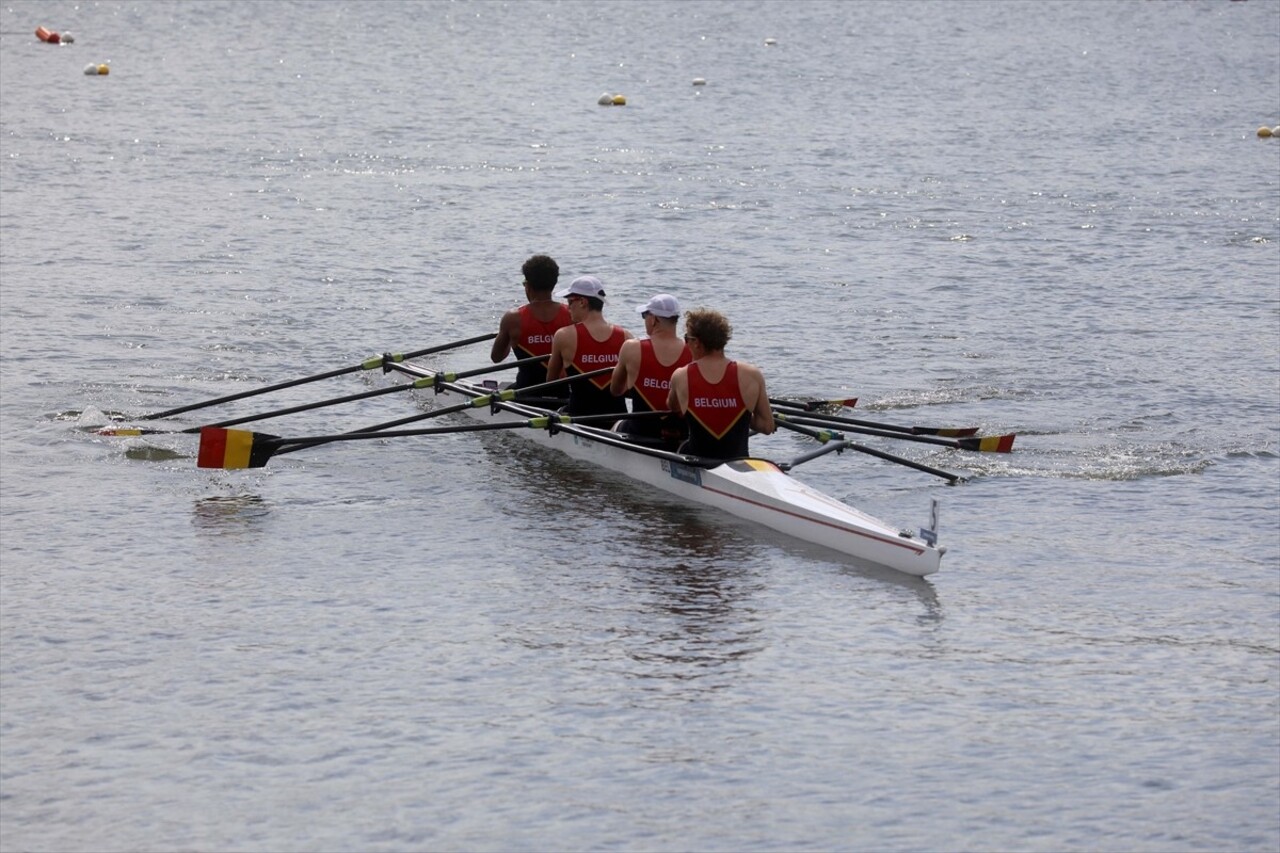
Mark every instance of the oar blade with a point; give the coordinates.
(945, 432)
(989, 443)
(834, 405)
(235, 448)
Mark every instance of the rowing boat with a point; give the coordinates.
(756, 490)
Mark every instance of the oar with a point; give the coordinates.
(371, 363)
(985, 444)
(840, 445)
(479, 401)
(231, 448)
(237, 448)
(424, 381)
(953, 432)
(810, 405)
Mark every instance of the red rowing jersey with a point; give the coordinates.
(593, 397)
(719, 423)
(653, 380)
(535, 339)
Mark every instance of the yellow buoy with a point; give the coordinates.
(1264, 131)
(619, 100)
(104, 69)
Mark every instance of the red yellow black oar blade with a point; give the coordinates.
(989, 444)
(235, 448)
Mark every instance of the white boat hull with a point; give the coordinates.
(752, 489)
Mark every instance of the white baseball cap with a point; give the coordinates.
(662, 305)
(584, 285)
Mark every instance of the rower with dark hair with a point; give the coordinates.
(588, 345)
(529, 329)
(723, 400)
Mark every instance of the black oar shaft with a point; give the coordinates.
(987, 444)
(479, 401)
(846, 425)
(842, 444)
(368, 364)
(289, 445)
(840, 419)
(350, 398)
(364, 395)
(807, 411)
(880, 454)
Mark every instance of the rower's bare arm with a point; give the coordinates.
(761, 412)
(561, 352)
(628, 367)
(678, 394)
(506, 330)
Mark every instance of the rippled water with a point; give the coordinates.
(1054, 219)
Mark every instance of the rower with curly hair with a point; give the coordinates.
(723, 400)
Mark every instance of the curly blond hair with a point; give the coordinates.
(709, 327)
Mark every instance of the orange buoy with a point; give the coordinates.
(47, 35)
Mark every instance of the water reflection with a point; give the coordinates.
(697, 586)
(689, 575)
(222, 514)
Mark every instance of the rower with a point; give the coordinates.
(529, 329)
(644, 373)
(589, 344)
(723, 400)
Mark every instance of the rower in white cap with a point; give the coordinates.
(589, 344)
(645, 367)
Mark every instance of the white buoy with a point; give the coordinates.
(606, 100)
(698, 81)
(771, 41)
(91, 69)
